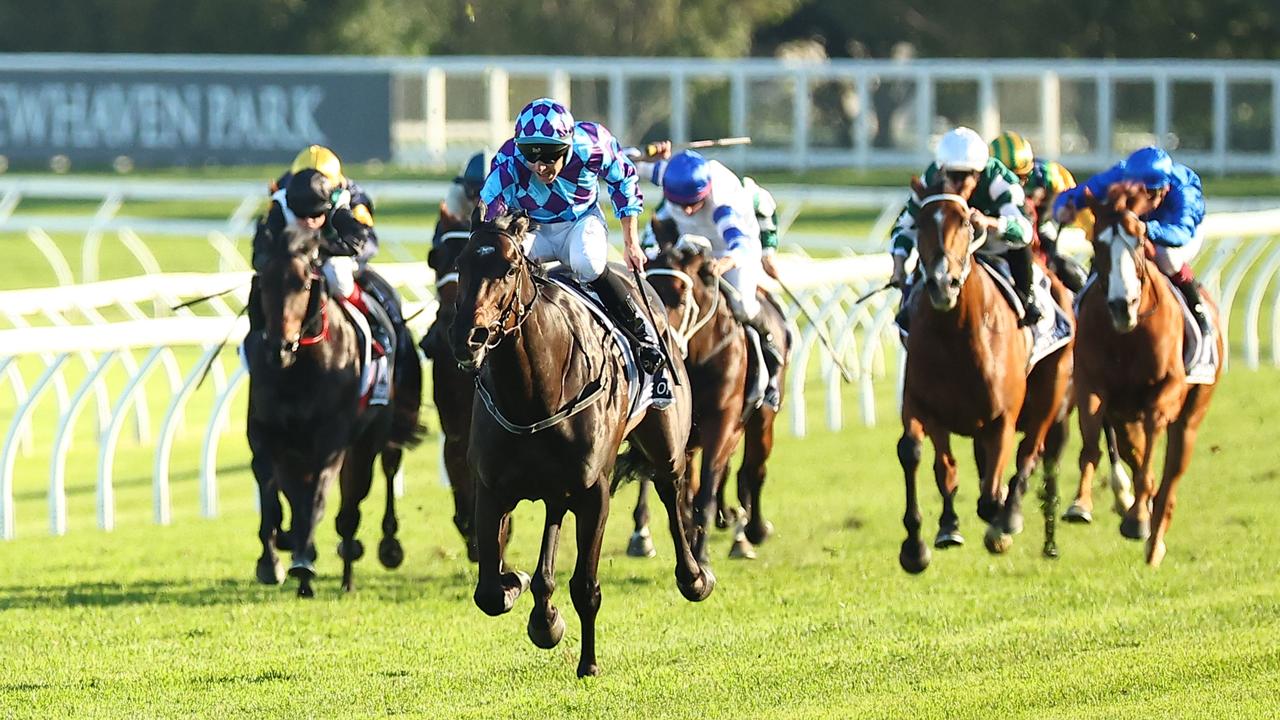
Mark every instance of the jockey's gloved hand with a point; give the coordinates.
(349, 234)
(899, 277)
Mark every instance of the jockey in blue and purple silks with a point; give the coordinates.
(550, 171)
(1173, 224)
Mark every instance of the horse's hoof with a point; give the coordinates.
(390, 553)
(997, 540)
(302, 570)
(742, 550)
(1155, 552)
(270, 570)
(758, 534)
(988, 509)
(948, 539)
(305, 591)
(356, 552)
(1135, 529)
(548, 637)
(641, 545)
(588, 670)
(1077, 514)
(1051, 550)
(914, 556)
(701, 587)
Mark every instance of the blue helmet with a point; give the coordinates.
(1150, 166)
(473, 174)
(544, 121)
(687, 178)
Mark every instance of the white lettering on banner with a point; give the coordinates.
(56, 116)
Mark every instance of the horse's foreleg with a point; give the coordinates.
(269, 569)
(1121, 483)
(999, 445)
(717, 444)
(546, 625)
(390, 552)
(1177, 457)
(496, 588)
(1091, 409)
(1055, 441)
(641, 543)
(590, 511)
(758, 446)
(306, 503)
(695, 582)
(944, 475)
(1137, 445)
(462, 483)
(914, 554)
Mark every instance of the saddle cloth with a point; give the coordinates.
(1199, 358)
(1054, 328)
(639, 384)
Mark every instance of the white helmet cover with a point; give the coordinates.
(961, 149)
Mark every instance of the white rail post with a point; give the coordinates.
(802, 99)
(988, 106)
(433, 93)
(8, 528)
(499, 106)
(62, 444)
(1051, 114)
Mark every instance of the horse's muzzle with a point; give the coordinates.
(944, 291)
(470, 350)
(1124, 314)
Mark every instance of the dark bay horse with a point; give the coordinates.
(550, 415)
(717, 360)
(306, 425)
(1129, 367)
(452, 388)
(966, 373)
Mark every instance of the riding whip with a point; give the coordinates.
(662, 345)
(845, 373)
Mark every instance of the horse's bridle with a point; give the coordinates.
(450, 277)
(692, 319)
(498, 329)
(975, 240)
(1139, 260)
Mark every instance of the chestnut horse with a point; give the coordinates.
(717, 362)
(550, 414)
(1131, 312)
(966, 373)
(451, 388)
(307, 424)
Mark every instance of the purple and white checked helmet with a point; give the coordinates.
(544, 121)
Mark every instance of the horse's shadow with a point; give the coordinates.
(208, 592)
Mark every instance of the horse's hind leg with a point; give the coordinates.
(357, 478)
(496, 587)
(1054, 443)
(944, 474)
(758, 446)
(1091, 425)
(546, 624)
(641, 543)
(591, 509)
(1177, 456)
(390, 552)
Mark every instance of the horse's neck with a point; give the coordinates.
(539, 366)
(708, 341)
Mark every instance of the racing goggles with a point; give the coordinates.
(546, 153)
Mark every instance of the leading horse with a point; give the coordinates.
(966, 373)
(1129, 367)
(551, 412)
(307, 424)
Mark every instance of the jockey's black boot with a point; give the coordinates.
(772, 359)
(379, 322)
(616, 296)
(257, 320)
(1020, 267)
(1190, 289)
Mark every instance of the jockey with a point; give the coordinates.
(996, 201)
(312, 201)
(321, 158)
(704, 198)
(550, 169)
(1041, 182)
(1173, 224)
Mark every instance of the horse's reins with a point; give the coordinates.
(585, 398)
(689, 326)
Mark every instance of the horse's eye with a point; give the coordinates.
(511, 271)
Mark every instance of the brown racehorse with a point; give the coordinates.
(306, 423)
(1129, 367)
(550, 414)
(717, 361)
(451, 388)
(966, 374)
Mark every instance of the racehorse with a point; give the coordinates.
(717, 360)
(1129, 367)
(550, 415)
(306, 422)
(452, 388)
(966, 373)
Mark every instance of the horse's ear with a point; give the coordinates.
(519, 224)
(917, 186)
(445, 214)
(477, 216)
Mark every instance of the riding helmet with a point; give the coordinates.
(687, 178)
(1150, 166)
(309, 194)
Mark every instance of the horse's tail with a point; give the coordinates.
(407, 429)
(632, 466)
